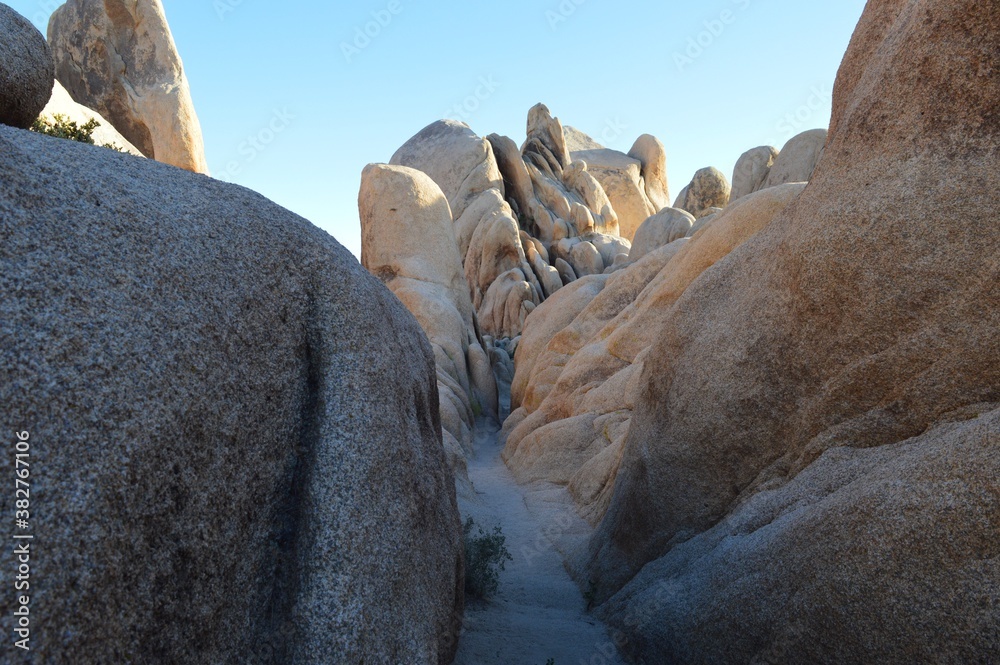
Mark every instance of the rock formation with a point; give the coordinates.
(26, 70)
(661, 229)
(751, 171)
(526, 221)
(62, 104)
(577, 140)
(810, 474)
(461, 163)
(651, 153)
(408, 242)
(580, 358)
(708, 189)
(798, 159)
(621, 178)
(233, 427)
(120, 59)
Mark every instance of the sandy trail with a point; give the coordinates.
(539, 613)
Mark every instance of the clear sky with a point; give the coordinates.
(711, 79)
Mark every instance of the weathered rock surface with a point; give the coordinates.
(516, 180)
(650, 151)
(575, 387)
(548, 131)
(408, 242)
(577, 140)
(495, 248)
(507, 304)
(586, 260)
(461, 163)
(26, 70)
(486, 232)
(878, 537)
(120, 59)
(816, 428)
(751, 171)
(578, 178)
(661, 229)
(797, 159)
(621, 178)
(233, 427)
(62, 104)
(708, 189)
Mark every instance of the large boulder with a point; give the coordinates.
(810, 476)
(798, 159)
(861, 538)
(460, 162)
(408, 242)
(652, 155)
(661, 229)
(26, 70)
(708, 189)
(751, 171)
(621, 178)
(120, 60)
(235, 449)
(61, 104)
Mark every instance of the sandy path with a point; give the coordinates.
(539, 612)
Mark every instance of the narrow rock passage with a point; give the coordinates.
(539, 613)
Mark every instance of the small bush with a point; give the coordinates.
(485, 558)
(62, 127)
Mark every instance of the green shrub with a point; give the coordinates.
(62, 127)
(485, 558)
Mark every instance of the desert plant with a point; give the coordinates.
(62, 127)
(485, 558)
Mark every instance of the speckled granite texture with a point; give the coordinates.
(236, 447)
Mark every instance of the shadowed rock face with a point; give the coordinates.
(26, 70)
(236, 449)
(810, 475)
(120, 59)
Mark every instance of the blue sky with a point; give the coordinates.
(295, 98)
